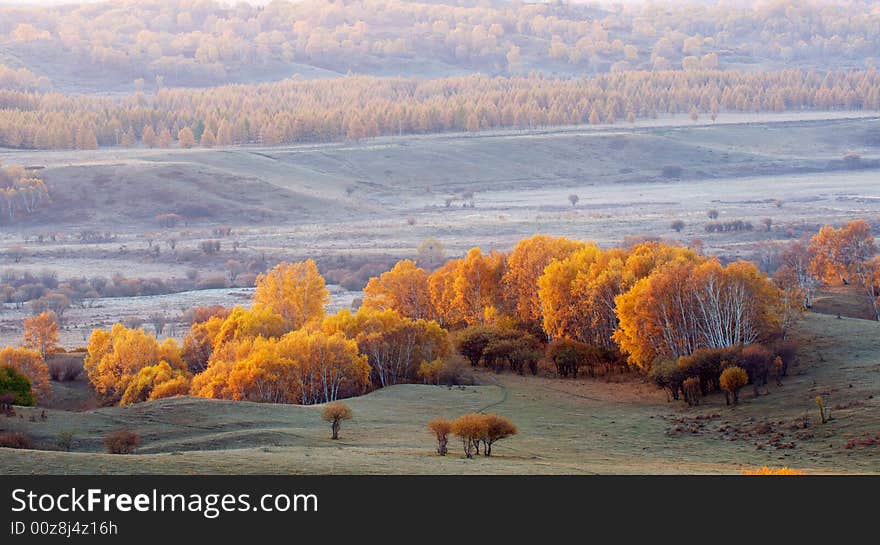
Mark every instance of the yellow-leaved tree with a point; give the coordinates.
(295, 291)
(525, 264)
(41, 333)
(404, 289)
(116, 358)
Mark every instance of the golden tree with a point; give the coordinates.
(115, 360)
(404, 289)
(41, 333)
(295, 291)
(525, 265)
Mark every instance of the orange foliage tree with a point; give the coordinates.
(41, 333)
(302, 366)
(394, 345)
(849, 254)
(463, 289)
(404, 289)
(440, 428)
(686, 306)
(525, 265)
(295, 291)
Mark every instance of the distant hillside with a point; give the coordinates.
(123, 45)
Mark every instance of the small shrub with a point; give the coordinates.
(65, 440)
(122, 442)
(15, 440)
(692, 391)
(63, 369)
(15, 389)
(732, 380)
(677, 226)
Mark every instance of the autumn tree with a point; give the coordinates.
(471, 429)
(686, 306)
(732, 381)
(41, 333)
(394, 345)
(295, 291)
(185, 138)
(335, 413)
(497, 428)
(849, 254)
(440, 428)
(304, 367)
(30, 364)
(525, 265)
(477, 284)
(404, 289)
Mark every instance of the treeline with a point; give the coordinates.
(22, 192)
(198, 43)
(359, 107)
(22, 79)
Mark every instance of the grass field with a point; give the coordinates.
(583, 426)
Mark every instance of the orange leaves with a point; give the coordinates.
(404, 289)
(124, 365)
(849, 255)
(732, 380)
(765, 470)
(41, 333)
(462, 288)
(525, 265)
(685, 306)
(295, 291)
(394, 345)
(300, 367)
(30, 364)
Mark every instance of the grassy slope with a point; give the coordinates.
(566, 426)
(242, 186)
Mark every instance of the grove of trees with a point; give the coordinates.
(179, 42)
(563, 305)
(357, 107)
(22, 192)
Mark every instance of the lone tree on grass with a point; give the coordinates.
(732, 380)
(440, 427)
(335, 413)
(677, 226)
(573, 199)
